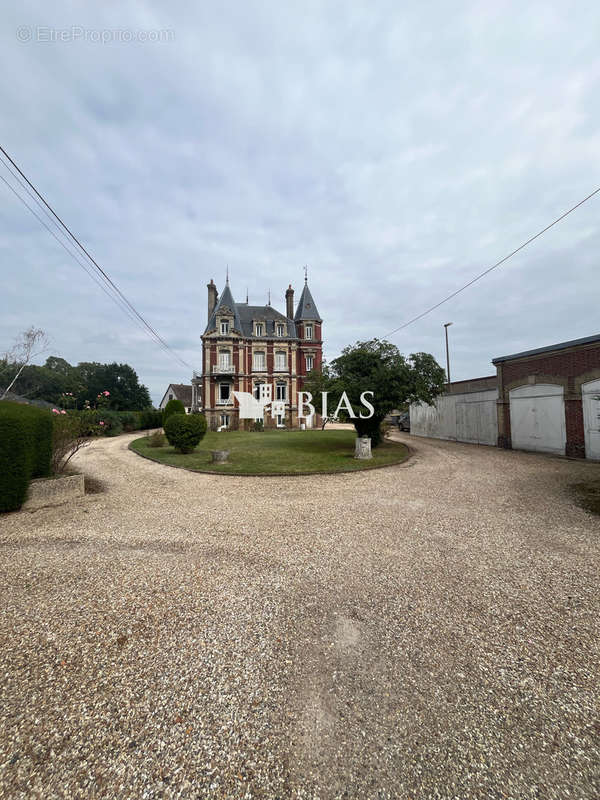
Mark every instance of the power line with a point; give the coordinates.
(99, 269)
(497, 264)
(73, 255)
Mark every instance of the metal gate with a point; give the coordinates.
(590, 396)
(476, 420)
(537, 418)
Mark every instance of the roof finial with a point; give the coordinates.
(305, 273)
(227, 274)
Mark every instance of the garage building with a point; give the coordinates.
(549, 399)
(546, 400)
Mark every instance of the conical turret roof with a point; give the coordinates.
(307, 308)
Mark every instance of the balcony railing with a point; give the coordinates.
(228, 402)
(223, 369)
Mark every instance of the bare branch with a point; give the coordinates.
(30, 344)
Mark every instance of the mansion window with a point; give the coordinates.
(280, 360)
(259, 329)
(224, 359)
(308, 332)
(257, 390)
(224, 391)
(309, 363)
(224, 327)
(280, 329)
(259, 362)
(281, 391)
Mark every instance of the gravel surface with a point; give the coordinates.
(424, 631)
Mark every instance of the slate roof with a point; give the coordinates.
(225, 300)
(243, 316)
(307, 308)
(182, 391)
(549, 348)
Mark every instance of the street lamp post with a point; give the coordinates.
(446, 326)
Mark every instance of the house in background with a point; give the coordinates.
(178, 391)
(244, 347)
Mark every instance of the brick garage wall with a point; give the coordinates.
(568, 368)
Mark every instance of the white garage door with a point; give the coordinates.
(591, 418)
(537, 418)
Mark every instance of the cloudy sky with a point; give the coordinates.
(396, 150)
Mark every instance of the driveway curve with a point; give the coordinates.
(428, 630)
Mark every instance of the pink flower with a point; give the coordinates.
(106, 394)
(63, 411)
(101, 423)
(55, 411)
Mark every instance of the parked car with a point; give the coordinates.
(404, 422)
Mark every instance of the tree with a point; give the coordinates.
(375, 366)
(28, 345)
(120, 380)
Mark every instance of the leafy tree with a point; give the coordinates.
(375, 366)
(120, 380)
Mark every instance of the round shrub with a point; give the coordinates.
(184, 431)
(173, 407)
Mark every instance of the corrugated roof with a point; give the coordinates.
(549, 348)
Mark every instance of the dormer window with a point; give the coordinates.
(259, 329)
(280, 329)
(308, 332)
(224, 327)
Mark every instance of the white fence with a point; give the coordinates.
(469, 417)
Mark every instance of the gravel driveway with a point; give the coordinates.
(429, 630)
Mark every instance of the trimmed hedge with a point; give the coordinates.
(151, 418)
(184, 431)
(25, 451)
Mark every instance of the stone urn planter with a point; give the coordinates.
(363, 447)
(219, 456)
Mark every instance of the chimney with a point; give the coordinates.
(289, 302)
(212, 297)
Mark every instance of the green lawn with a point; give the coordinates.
(288, 452)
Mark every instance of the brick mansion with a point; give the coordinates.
(244, 346)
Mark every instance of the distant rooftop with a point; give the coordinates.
(549, 349)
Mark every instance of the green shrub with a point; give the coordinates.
(173, 407)
(151, 418)
(258, 425)
(184, 431)
(156, 439)
(130, 420)
(109, 422)
(25, 451)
